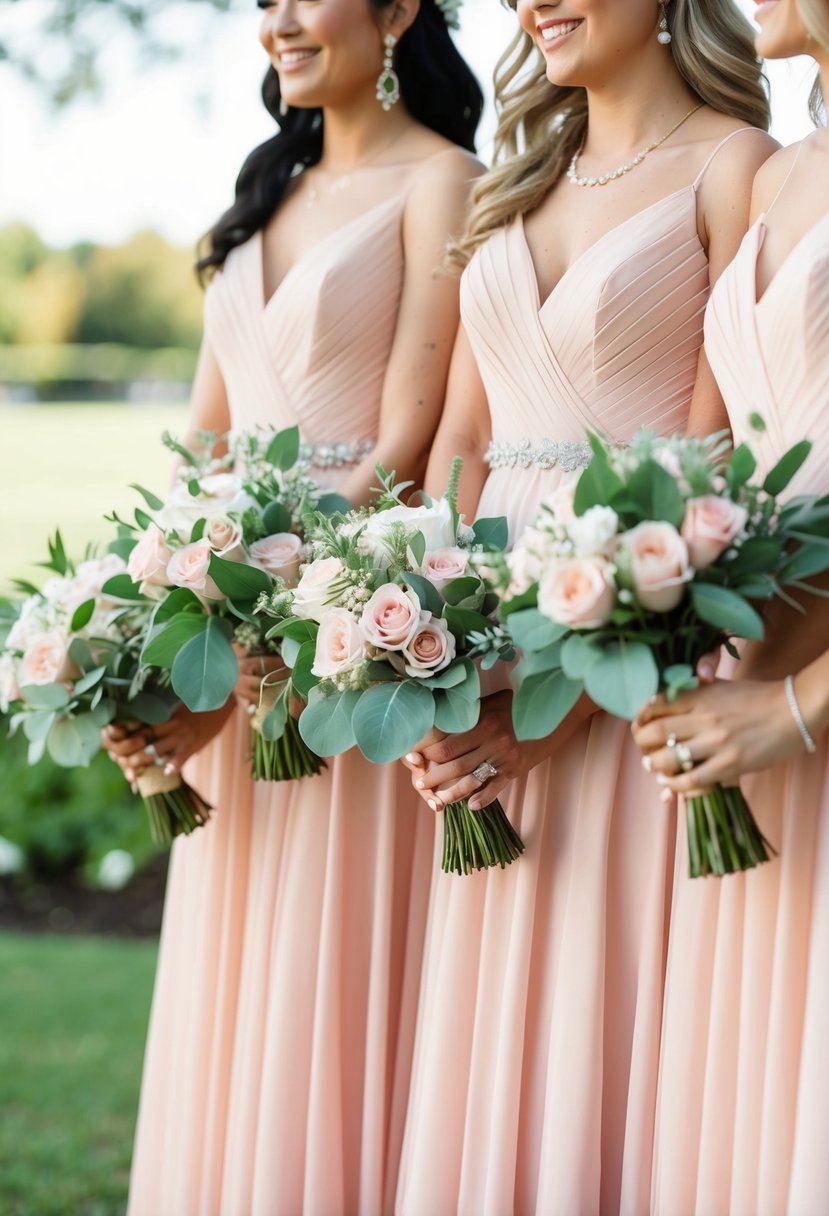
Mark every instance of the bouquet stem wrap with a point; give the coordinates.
(478, 840)
(723, 836)
(286, 758)
(173, 808)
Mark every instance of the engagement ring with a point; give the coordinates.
(150, 751)
(484, 771)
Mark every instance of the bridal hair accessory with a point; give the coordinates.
(451, 12)
(388, 84)
(572, 169)
(664, 35)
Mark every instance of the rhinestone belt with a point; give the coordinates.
(568, 454)
(335, 455)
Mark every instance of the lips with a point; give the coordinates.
(551, 33)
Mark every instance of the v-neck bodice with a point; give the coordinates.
(616, 343)
(770, 356)
(316, 353)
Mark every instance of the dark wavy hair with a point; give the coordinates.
(437, 87)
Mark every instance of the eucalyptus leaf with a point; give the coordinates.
(89, 680)
(180, 599)
(656, 494)
(283, 449)
(726, 610)
(426, 592)
(455, 713)
(390, 719)
(333, 504)
(461, 589)
(45, 696)
(532, 630)
(237, 580)
(417, 546)
(302, 677)
(151, 708)
(72, 742)
(205, 670)
(38, 724)
(165, 642)
(542, 702)
(273, 724)
(121, 587)
(493, 533)
(577, 655)
(276, 518)
(623, 678)
(326, 722)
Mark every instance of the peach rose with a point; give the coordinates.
(339, 644)
(442, 565)
(278, 555)
(711, 524)
(225, 538)
(147, 564)
(656, 557)
(189, 566)
(9, 690)
(391, 617)
(316, 590)
(46, 660)
(578, 591)
(431, 649)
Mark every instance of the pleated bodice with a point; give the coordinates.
(769, 356)
(316, 352)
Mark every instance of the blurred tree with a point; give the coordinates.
(62, 51)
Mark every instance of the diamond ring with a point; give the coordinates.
(150, 751)
(683, 757)
(484, 771)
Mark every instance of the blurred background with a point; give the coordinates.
(122, 128)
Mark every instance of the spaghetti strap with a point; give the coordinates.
(785, 180)
(720, 145)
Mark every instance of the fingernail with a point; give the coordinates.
(412, 758)
(129, 774)
(667, 795)
(647, 763)
(661, 779)
(474, 806)
(251, 709)
(433, 804)
(169, 769)
(419, 784)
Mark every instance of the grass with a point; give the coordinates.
(67, 466)
(73, 1013)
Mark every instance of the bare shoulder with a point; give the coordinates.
(770, 177)
(447, 165)
(439, 196)
(736, 158)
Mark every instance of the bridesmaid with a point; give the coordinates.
(744, 1083)
(279, 1049)
(628, 144)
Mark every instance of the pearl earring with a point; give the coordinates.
(388, 84)
(664, 35)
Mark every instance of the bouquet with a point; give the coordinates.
(655, 558)
(382, 631)
(69, 665)
(220, 540)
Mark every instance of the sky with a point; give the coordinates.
(162, 146)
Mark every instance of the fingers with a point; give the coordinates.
(449, 774)
(656, 734)
(707, 667)
(414, 760)
(660, 707)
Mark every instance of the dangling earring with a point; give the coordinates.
(283, 107)
(664, 35)
(388, 85)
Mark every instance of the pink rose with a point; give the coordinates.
(189, 566)
(710, 526)
(316, 591)
(431, 649)
(391, 617)
(578, 591)
(339, 644)
(225, 538)
(46, 660)
(656, 557)
(148, 561)
(442, 565)
(278, 555)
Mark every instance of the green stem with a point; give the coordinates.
(478, 840)
(723, 835)
(284, 759)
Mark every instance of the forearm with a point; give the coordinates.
(811, 686)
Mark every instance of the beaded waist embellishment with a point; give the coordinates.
(335, 455)
(567, 454)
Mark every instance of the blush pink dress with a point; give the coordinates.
(743, 1110)
(534, 1083)
(282, 1025)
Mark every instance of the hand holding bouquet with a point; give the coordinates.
(382, 631)
(655, 560)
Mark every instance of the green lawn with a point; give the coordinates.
(68, 465)
(73, 1017)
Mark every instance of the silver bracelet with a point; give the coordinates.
(808, 741)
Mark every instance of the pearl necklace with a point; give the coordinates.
(572, 170)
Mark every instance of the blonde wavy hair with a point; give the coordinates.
(816, 19)
(541, 125)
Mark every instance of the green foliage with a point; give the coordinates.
(391, 719)
(206, 669)
(74, 1016)
(67, 819)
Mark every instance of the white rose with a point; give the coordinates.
(315, 592)
(221, 494)
(339, 644)
(435, 523)
(278, 555)
(9, 690)
(592, 532)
